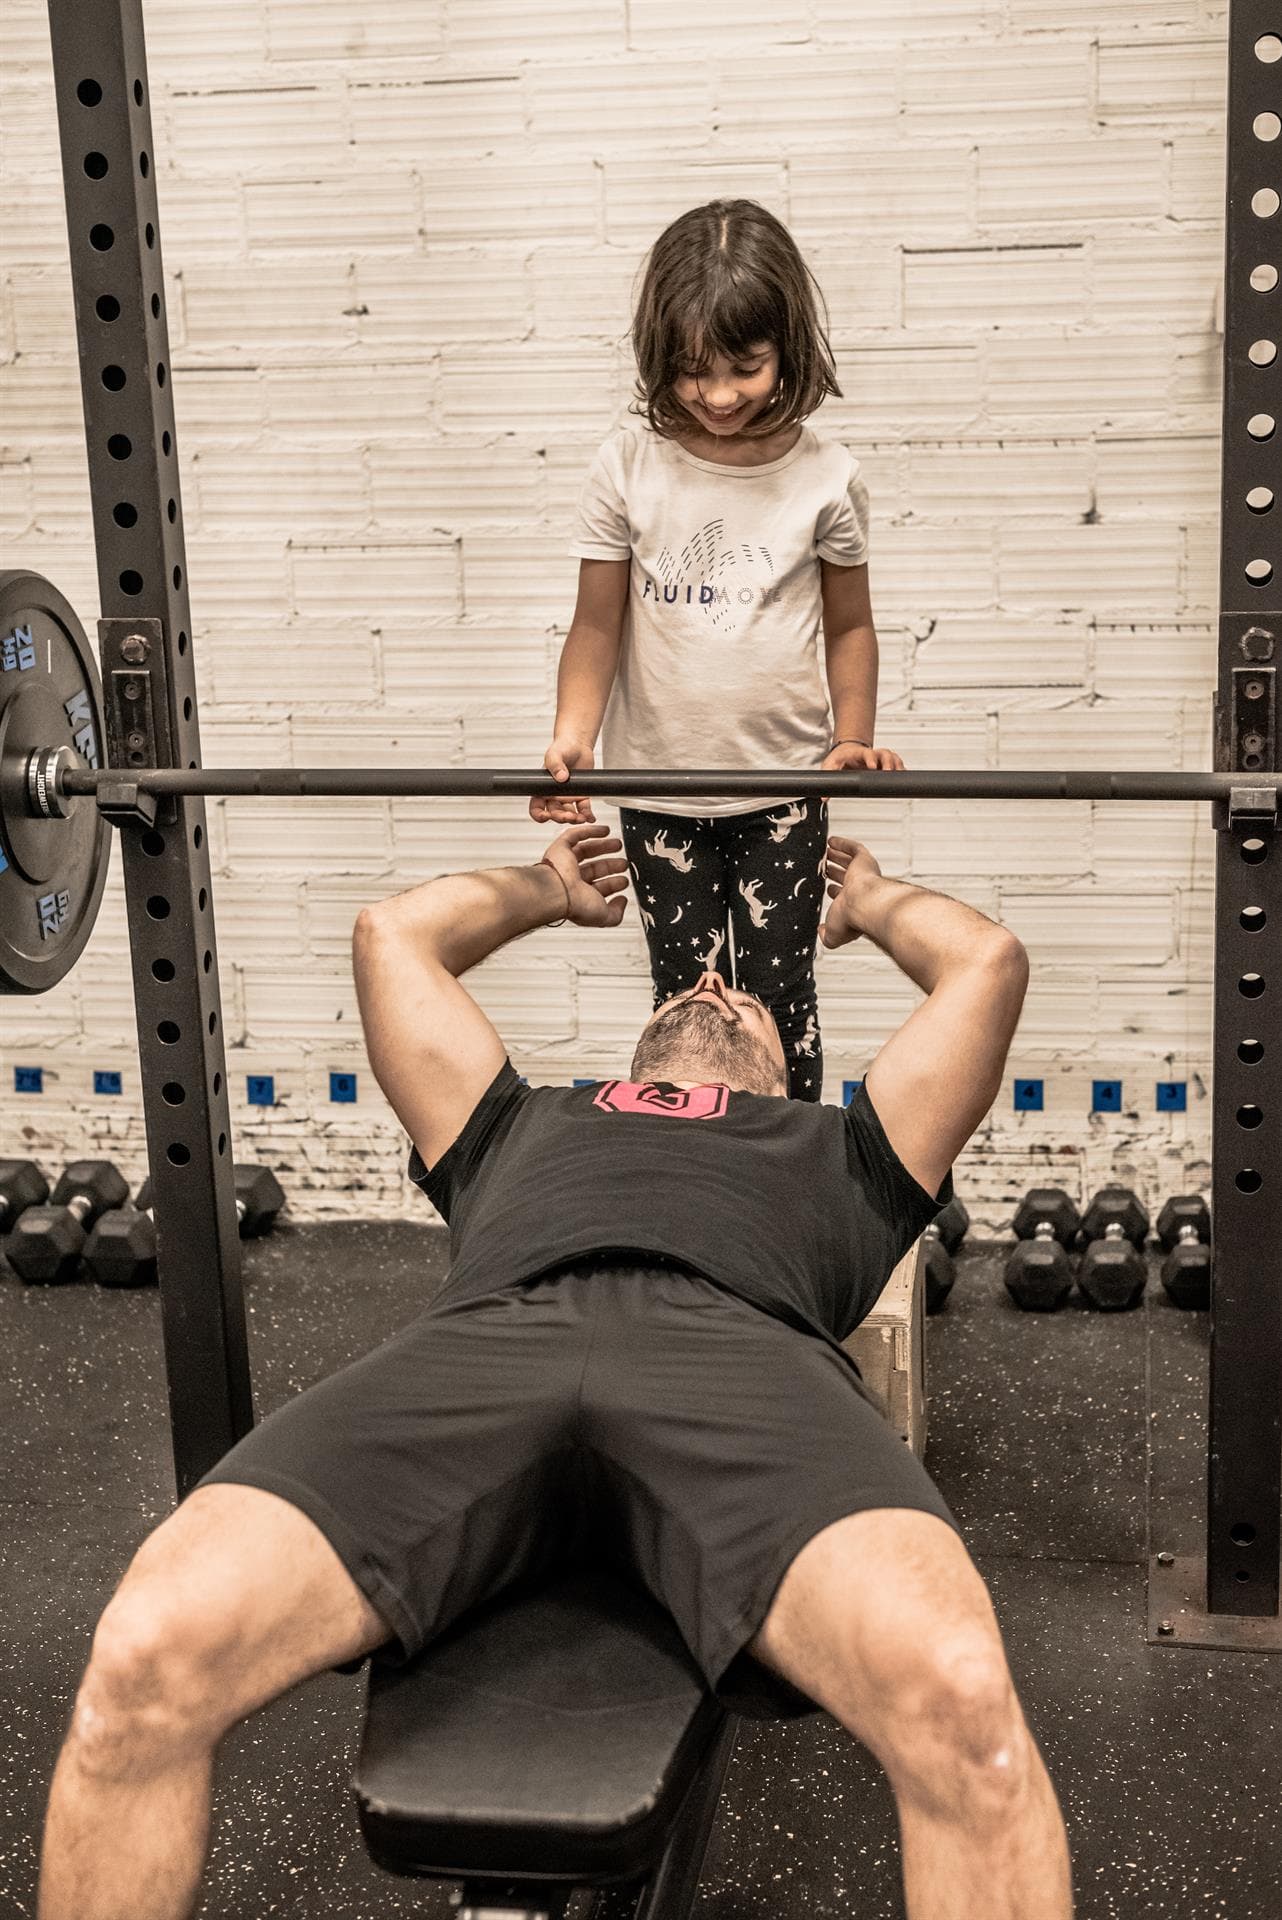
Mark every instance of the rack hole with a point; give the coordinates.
(182, 643)
(169, 1033)
(162, 969)
(95, 165)
(1249, 1116)
(158, 907)
(1260, 426)
(144, 164)
(1248, 1181)
(178, 1155)
(1250, 1052)
(149, 234)
(153, 843)
(1262, 353)
(1251, 986)
(197, 837)
(155, 306)
(138, 93)
(160, 373)
(218, 1083)
(120, 446)
(107, 307)
(1264, 203)
(101, 237)
(207, 963)
(173, 1093)
(1266, 126)
(1253, 851)
(1263, 278)
(213, 1023)
(1260, 499)
(222, 1143)
(187, 701)
(171, 510)
(131, 581)
(1259, 572)
(113, 378)
(89, 93)
(165, 442)
(178, 576)
(1241, 1576)
(1243, 1534)
(125, 513)
(202, 899)
(1254, 919)
(1268, 48)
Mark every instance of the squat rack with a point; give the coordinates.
(1228, 1597)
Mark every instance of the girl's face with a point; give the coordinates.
(729, 393)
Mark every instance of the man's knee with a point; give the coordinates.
(155, 1687)
(949, 1729)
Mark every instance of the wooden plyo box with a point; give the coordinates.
(889, 1348)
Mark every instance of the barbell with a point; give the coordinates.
(54, 848)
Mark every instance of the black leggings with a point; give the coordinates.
(756, 877)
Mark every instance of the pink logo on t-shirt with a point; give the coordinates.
(644, 1096)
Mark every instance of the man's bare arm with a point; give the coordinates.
(936, 1078)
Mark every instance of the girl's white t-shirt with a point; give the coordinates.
(720, 661)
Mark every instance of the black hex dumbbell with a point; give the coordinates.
(943, 1237)
(1039, 1272)
(22, 1185)
(47, 1242)
(1112, 1274)
(1184, 1229)
(259, 1198)
(121, 1249)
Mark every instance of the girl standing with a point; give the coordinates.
(715, 541)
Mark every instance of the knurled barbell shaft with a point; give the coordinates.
(765, 783)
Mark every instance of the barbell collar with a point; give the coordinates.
(47, 769)
(75, 779)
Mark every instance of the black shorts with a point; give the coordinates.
(639, 1416)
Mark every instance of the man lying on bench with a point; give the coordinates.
(636, 1350)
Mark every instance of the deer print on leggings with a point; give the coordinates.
(806, 1044)
(782, 824)
(707, 962)
(659, 849)
(759, 910)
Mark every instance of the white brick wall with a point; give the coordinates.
(400, 242)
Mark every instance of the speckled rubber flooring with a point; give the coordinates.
(1064, 1445)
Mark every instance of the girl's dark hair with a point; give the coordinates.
(719, 280)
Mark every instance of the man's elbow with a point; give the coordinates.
(1007, 958)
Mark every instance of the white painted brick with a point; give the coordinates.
(1001, 650)
(944, 742)
(1038, 839)
(565, 465)
(498, 204)
(1028, 86)
(361, 213)
(913, 193)
(280, 131)
(1174, 270)
(1195, 926)
(373, 740)
(1198, 383)
(638, 103)
(241, 581)
(41, 401)
(351, 408)
(924, 390)
(445, 297)
(536, 390)
(1197, 176)
(294, 839)
(1108, 379)
(438, 119)
(226, 39)
(1166, 1023)
(271, 663)
(329, 910)
(1142, 663)
(1088, 736)
(333, 30)
(17, 505)
(1173, 845)
(29, 130)
(508, 32)
(1062, 16)
(256, 918)
(863, 999)
(448, 487)
(612, 1009)
(980, 287)
(1099, 568)
(838, 23)
(1165, 477)
(991, 480)
(919, 570)
(1058, 1013)
(530, 1005)
(310, 1008)
(882, 824)
(643, 196)
(450, 835)
(242, 737)
(46, 1021)
(1161, 77)
(584, 295)
(1097, 178)
(70, 563)
(24, 36)
(667, 23)
(462, 668)
(808, 98)
(1201, 584)
(44, 319)
(864, 289)
(309, 494)
(375, 581)
(211, 404)
(1089, 927)
(35, 230)
(299, 310)
(525, 575)
(200, 220)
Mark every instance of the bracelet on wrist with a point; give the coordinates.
(545, 862)
(851, 742)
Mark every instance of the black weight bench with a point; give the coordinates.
(550, 1742)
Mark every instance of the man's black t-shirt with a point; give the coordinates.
(800, 1208)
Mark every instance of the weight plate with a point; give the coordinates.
(52, 872)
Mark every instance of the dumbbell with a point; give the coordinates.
(1184, 1229)
(1112, 1274)
(943, 1237)
(1039, 1273)
(121, 1250)
(22, 1185)
(47, 1241)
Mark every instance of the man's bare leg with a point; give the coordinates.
(883, 1619)
(235, 1598)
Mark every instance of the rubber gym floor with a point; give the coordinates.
(1064, 1444)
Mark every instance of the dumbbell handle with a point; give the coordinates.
(78, 1205)
(1114, 1231)
(931, 1231)
(1188, 1235)
(1045, 1230)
